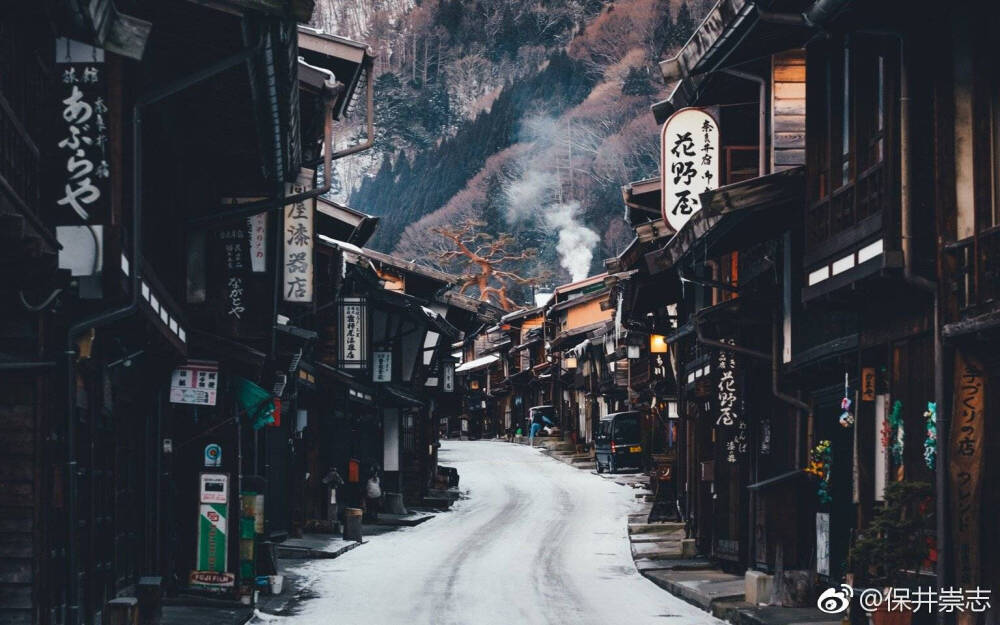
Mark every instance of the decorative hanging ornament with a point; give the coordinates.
(819, 465)
(846, 416)
(930, 444)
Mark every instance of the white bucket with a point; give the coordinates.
(277, 581)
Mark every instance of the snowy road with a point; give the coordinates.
(536, 542)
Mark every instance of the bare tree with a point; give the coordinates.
(485, 257)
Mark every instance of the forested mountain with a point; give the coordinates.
(526, 115)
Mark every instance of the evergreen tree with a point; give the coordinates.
(683, 26)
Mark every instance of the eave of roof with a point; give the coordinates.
(390, 261)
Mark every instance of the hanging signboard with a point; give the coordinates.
(82, 185)
(448, 377)
(966, 454)
(868, 384)
(256, 230)
(234, 245)
(298, 241)
(256, 233)
(353, 344)
(381, 366)
(196, 383)
(689, 160)
(728, 404)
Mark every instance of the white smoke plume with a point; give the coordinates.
(576, 241)
(533, 195)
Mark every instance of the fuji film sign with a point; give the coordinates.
(689, 157)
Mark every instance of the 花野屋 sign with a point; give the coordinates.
(689, 157)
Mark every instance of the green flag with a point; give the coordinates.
(255, 401)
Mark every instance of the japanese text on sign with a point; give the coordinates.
(233, 242)
(690, 163)
(298, 241)
(381, 366)
(967, 465)
(728, 404)
(353, 333)
(82, 144)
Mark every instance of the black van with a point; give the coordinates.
(618, 442)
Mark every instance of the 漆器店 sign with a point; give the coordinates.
(689, 157)
(353, 333)
(382, 366)
(298, 238)
(195, 383)
(82, 152)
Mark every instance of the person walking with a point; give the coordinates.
(536, 426)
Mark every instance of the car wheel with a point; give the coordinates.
(600, 467)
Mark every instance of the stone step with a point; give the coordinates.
(655, 528)
(659, 537)
(655, 551)
(672, 564)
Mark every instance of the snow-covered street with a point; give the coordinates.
(535, 541)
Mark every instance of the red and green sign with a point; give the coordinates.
(212, 540)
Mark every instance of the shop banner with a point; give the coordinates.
(967, 437)
(353, 333)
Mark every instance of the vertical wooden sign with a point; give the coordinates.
(966, 447)
(868, 384)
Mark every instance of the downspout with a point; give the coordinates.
(252, 208)
(930, 287)
(761, 116)
(109, 316)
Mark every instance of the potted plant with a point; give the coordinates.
(891, 550)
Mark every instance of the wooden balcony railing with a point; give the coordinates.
(975, 274)
(847, 206)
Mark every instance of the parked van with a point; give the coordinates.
(619, 442)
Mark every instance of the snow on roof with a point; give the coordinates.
(478, 363)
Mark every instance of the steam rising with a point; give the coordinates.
(576, 241)
(533, 194)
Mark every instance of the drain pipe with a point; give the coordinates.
(761, 116)
(252, 208)
(931, 288)
(109, 316)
